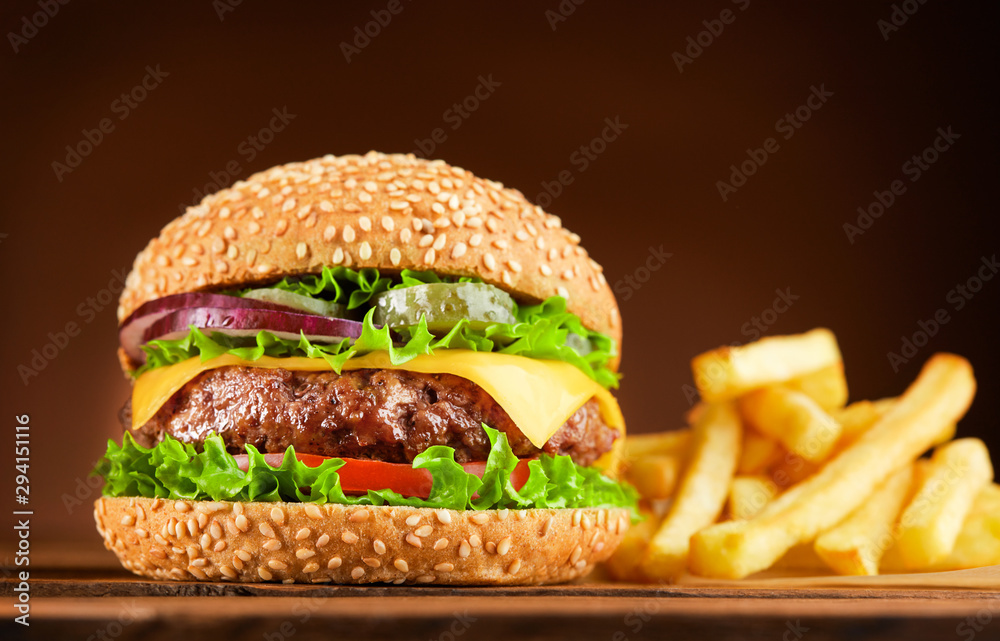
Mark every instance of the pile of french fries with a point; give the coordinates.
(777, 471)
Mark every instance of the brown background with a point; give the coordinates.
(654, 186)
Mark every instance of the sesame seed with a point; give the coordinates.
(334, 563)
(442, 222)
(414, 541)
(521, 235)
(233, 252)
(413, 519)
(329, 233)
(371, 186)
(547, 526)
(567, 274)
(398, 205)
(378, 546)
(425, 578)
(394, 254)
(281, 227)
(464, 549)
(491, 547)
(405, 234)
(352, 208)
(453, 203)
(458, 250)
(458, 218)
(440, 544)
(128, 519)
(303, 212)
(338, 256)
(371, 561)
(387, 223)
(545, 269)
(228, 572)
(553, 253)
(359, 516)
(143, 534)
(514, 265)
(440, 241)
(242, 555)
(575, 556)
(326, 205)
(401, 565)
(241, 523)
(506, 279)
(429, 256)
(479, 518)
(490, 262)
(433, 187)
(220, 546)
(365, 223)
(264, 574)
(272, 545)
(313, 511)
(322, 540)
(349, 537)
(423, 530)
(348, 234)
(159, 539)
(503, 546)
(266, 530)
(310, 567)
(301, 250)
(365, 251)
(425, 240)
(577, 516)
(444, 516)
(303, 534)
(492, 225)
(475, 240)
(540, 243)
(562, 291)
(357, 573)
(474, 222)
(304, 553)
(444, 567)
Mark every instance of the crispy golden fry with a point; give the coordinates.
(792, 418)
(856, 418)
(978, 544)
(728, 372)
(655, 475)
(856, 545)
(940, 395)
(758, 452)
(826, 386)
(749, 494)
(672, 443)
(626, 563)
(931, 522)
(702, 493)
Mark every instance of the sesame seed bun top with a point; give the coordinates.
(392, 212)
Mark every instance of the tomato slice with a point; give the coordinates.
(357, 476)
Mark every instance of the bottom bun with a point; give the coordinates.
(309, 543)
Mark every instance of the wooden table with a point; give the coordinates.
(95, 600)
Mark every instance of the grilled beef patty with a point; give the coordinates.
(387, 415)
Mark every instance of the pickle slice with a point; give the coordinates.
(298, 301)
(444, 305)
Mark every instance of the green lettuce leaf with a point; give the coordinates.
(540, 332)
(175, 470)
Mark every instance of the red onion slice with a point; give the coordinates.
(131, 335)
(247, 322)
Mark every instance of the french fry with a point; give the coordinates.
(932, 521)
(856, 418)
(749, 494)
(827, 386)
(728, 372)
(672, 443)
(856, 545)
(978, 543)
(758, 452)
(734, 549)
(702, 493)
(790, 469)
(626, 563)
(792, 418)
(802, 558)
(655, 475)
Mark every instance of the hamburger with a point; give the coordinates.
(366, 369)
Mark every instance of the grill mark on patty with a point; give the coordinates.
(387, 415)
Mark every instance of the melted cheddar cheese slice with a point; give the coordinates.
(538, 395)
